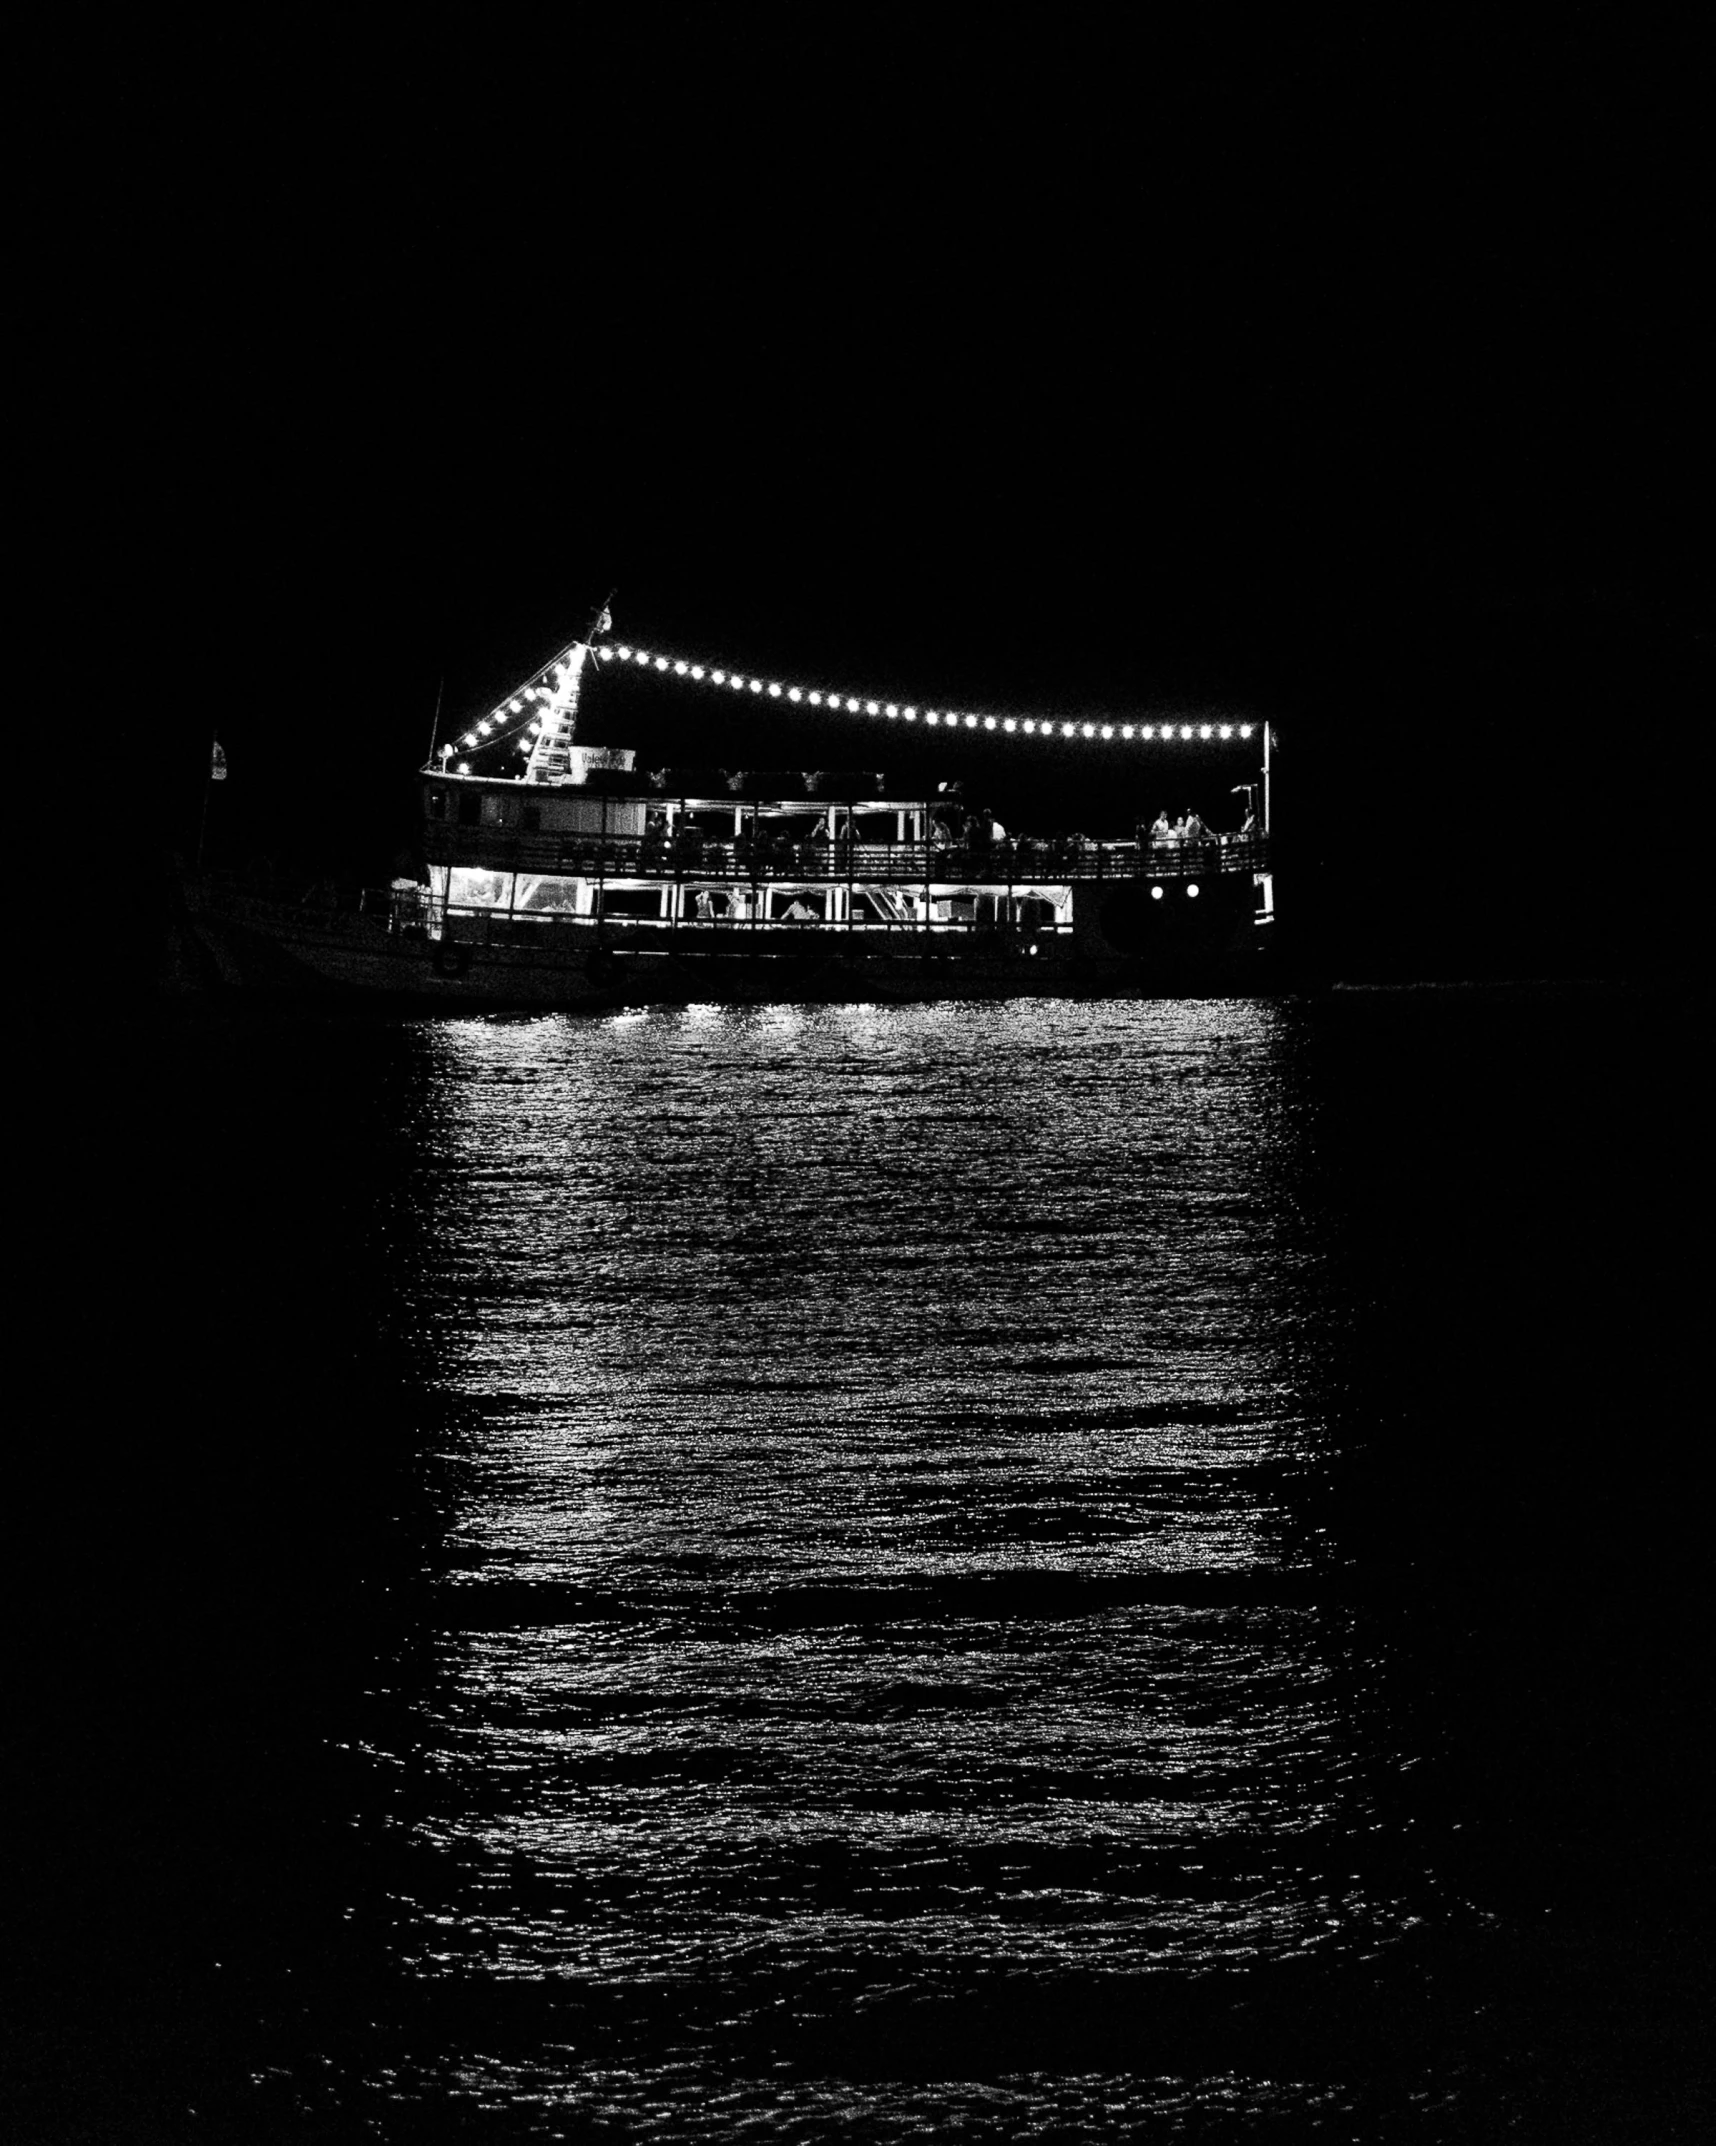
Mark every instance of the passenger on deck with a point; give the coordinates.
(800, 912)
(1192, 829)
(1160, 830)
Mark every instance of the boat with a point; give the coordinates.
(574, 878)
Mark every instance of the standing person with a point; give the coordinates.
(1160, 829)
(1194, 829)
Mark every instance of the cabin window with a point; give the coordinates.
(437, 804)
(632, 902)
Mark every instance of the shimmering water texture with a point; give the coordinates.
(890, 1675)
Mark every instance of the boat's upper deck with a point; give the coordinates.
(585, 832)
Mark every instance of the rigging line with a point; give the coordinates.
(679, 669)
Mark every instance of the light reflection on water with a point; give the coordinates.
(876, 1574)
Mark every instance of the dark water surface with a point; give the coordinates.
(1042, 1571)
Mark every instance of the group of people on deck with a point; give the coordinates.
(1189, 828)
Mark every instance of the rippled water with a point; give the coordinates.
(892, 1573)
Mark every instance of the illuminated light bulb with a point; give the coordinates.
(1192, 889)
(1108, 730)
(624, 654)
(681, 668)
(1089, 730)
(697, 670)
(1066, 730)
(930, 716)
(1227, 730)
(1030, 726)
(737, 683)
(446, 752)
(756, 685)
(989, 722)
(872, 708)
(1155, 894)
(485, 726)
(793, 693)
(1009, 724)
(891, 711)
(515, 705)
(814, 698)
(852, 707)
(910, 714)
(464, 767)
(661, 663)
(1245, 730)
(971, 722)
(1185, 730)
(774, 692)
(1126, 730)
(469, 738)
(1206, 732)
(718, 677)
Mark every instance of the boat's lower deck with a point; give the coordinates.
(405, 948)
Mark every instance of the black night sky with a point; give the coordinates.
(1004, 357)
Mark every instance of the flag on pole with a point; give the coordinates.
(217, 763)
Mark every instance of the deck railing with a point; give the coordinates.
(1012, 863)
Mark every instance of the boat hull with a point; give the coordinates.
(256, 948)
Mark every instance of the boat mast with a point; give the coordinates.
(550, 755)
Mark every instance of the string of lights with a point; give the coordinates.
(680, 669)
(552, 692)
